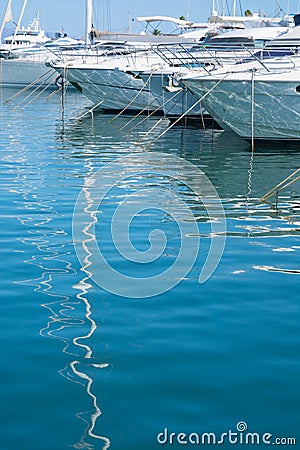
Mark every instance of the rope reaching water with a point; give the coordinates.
(46, 75)
(134, 98)
(36, 96)
(186, 112)
(149, 115)
(292, 178)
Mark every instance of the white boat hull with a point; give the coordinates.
(20, 73)
(112, 89)
(269, 112)
(175, 100)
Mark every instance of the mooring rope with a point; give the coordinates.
(90, 111)
(142, 111)
(150, 114)
(188, 110)
(282, 185)
(31, 93)
(30, 85)
(134, 98)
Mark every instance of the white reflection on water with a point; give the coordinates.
(47, 249)
(71, 314)
(81, 341)
(277, 269)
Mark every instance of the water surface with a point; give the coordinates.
(85, 368)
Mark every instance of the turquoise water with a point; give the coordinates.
(84, 368)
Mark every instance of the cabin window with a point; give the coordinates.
(298, 89)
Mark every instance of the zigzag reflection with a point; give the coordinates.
(66, 314)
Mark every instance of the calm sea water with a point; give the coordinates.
(84, 368)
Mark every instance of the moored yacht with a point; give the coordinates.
(142, 76)
(218, 51)
(23, 38)
(110, 80)
(26, 65)
(258, 99)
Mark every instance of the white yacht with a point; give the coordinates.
(144, 76)
(108, 73)
(23, 56)
(24, 37)
(111, 80)
(259, 99)
(218, 51)
(27, 66)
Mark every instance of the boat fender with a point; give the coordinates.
(174, 80)
(59, 81)
(211, 67)
(173, 83)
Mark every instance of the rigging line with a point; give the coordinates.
(49, 75)
(139, 113)
(163, 90)
(150, 114)
(39, 93)
(181, 99)
(202, 118)
(134, 98)
(250, 172)
(63, 90)
(152, 128)
(175, 122)
(56, 91)
(276, 192)
(153, 112)
(241, 9)
(21, 91)
(192, 107)
(35, 90)
(280, 185)
(228, 9)
(290, 182)
(140, 141)
(90, 111)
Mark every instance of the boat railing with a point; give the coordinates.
(182, 55)
(199, 55)
(185, 55)
(97, 54)
(281, 58)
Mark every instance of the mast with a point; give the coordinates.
(188, 10)
(234, 8)
(214, 11)
(88, 25)
(6, 18)
(19, 23)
